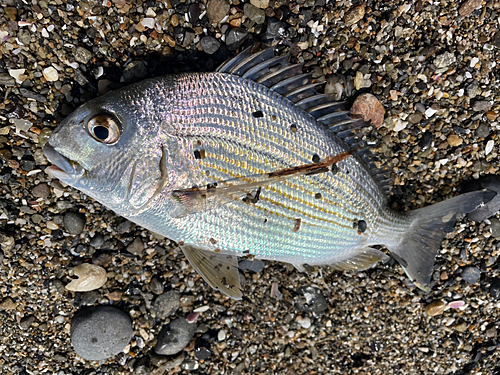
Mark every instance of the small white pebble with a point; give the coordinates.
(221, 336)
(429, 112)
(15, 73)
(489, 146)
(148, 22)
(304, 322)
(202, 309)
(50, 74)
(473, 62)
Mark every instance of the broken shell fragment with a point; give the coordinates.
(90, 277)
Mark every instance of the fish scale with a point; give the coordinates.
(227, 166)
(265, 146)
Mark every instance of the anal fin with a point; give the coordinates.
(220, 271)
(364, 258)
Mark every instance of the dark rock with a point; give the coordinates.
(97, 241)
(483, 131)
(41, 191)
(202, 353)
(255, 265)
(310, 299)
(276, 30)
(32, 95)
(136, 247)
(82, 55)
(134, 71)
(124, 227)
(235, 38)
(495, 288)
(100, 332)
(194, 13)
(7, 80)
(167, 304)
(90, 298)
(254, 14)
(174, 337)
(210, 45)
(471, 274)
(74, 223)
(26, 322)
(426, 140)
(156, 286)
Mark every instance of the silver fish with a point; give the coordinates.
(249, 159)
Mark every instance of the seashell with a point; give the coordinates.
(90, 277)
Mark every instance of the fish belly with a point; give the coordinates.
(229, 127)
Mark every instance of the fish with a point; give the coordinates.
(250, 160)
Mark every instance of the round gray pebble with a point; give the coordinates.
(174, 337)
(471, 274)
(74, 223)
(100, 332)
(167, 304)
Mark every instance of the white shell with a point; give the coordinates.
(90, 277)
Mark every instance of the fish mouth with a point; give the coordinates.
(62, 168)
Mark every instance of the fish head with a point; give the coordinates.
(110, 149)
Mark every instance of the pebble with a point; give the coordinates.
(6, 80)
(495, 288)
(97, 241)
(235, 38)
(354, 15)
(471, 274)
(489, 146)
(369, 108)
(16, 74)
(262, 4)
(82, 55)
(444, 60)
(435, 308)
(304, 322)
(454, 140)
(26, 322)
(310, 299)
(174, 337)
(167, 304)
(32, 95)
(202, 353)
(217, 10)
(254, 14)
(134, 71)
(209, 44)
(98, 333)
(74, 222)
(41, 191)
(468, 7)
(90, 277)
(483, 131)
(7, 304)
(255, 265)
(50, 74)
(136, 247)
(90, 298)
(481, 105)
(156, 286)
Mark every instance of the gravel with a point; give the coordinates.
(100, 332)
(433, 66)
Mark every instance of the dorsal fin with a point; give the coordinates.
(287, 79)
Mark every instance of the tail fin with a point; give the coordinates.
(417, 250)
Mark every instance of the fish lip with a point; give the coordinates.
(63, 167)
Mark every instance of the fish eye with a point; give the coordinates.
(104, 129)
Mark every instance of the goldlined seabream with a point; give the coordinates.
(249, 159)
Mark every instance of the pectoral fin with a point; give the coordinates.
(220, 271)
(362, 259)
(198, 199)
